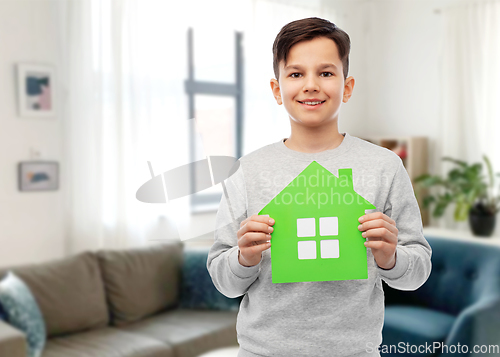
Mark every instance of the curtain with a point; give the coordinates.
(470, 82)
(125, 62)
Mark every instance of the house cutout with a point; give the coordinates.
(316, 235)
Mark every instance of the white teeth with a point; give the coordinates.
(312, 103)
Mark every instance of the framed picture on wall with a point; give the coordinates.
(38, 175)
(35, 90)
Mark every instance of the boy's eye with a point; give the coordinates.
(330, 74)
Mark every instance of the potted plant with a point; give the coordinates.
(466, 187)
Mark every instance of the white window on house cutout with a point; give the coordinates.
(328, 226)
(330, 248)
(307, 249)
(306, 227)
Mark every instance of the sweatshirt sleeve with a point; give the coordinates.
(413, 252)
(230, 277)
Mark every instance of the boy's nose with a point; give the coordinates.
(311, 85)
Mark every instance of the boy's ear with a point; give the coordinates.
(348, 88)
(275, 87)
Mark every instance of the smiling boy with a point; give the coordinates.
(317, 318)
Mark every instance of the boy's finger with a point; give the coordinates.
(259, 247)
(378, 223)
(253, 238)
(258, 218)
(266, 219)
(376, 215)
(248, 219)
(375, 244)
(380, 234)
(259, 238)
(254, 226)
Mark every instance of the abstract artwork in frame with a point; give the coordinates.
(35, 90)
(38, 175)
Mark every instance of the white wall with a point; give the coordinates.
(395, 62)
(31, 223)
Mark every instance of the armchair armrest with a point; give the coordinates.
(197, 288)
(478, 324)
(394, 296)
(12, 341)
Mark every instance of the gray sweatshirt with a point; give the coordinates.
(316, 318)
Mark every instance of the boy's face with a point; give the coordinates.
(311, 80)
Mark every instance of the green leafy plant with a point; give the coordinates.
(465, 186)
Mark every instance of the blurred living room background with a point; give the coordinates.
(423, 69)
(123, 91)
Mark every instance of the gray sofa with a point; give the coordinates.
(126, 303)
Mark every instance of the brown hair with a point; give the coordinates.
(308, 29)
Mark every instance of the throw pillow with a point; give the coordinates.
(197, 288)
(22, 312)
(2, 313)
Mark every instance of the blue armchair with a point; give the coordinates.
(458, 306)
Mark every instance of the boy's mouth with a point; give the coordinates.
(310, 105)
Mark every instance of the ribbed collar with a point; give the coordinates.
(344, 146)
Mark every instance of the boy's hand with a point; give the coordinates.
(253, 236)
(382, 236)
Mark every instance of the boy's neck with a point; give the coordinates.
(314, 144)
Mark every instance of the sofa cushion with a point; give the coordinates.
(106, 342)
(2, 313)
(23, 313)
(415, 326)
(69, 292)
(197, 288)
(189, 332)
(142, 281)
(12, 341)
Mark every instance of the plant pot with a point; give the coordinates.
(481, 221)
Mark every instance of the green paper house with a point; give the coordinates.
(316, 235)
